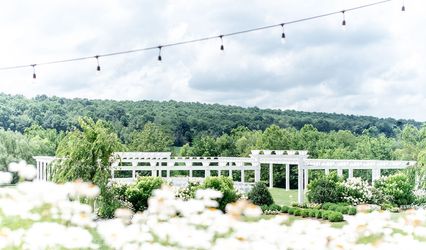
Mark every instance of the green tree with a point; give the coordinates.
(151, 139)
(86, 153)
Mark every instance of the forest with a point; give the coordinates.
(184, 120)
(47, 125)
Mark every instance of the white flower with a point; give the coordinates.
(5, 177)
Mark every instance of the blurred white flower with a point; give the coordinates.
(5, 177)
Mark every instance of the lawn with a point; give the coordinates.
(283, 197)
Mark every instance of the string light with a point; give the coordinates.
(283, 34)
(34, 73)
(222, 48)
(98, 68)
(159, 53)
(344, 19)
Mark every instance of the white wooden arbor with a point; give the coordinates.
(161, 164)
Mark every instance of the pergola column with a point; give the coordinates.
(327, 171)
(375, 174)
(287, 177)
(271, 175)
(340, 172)
(300, 191)
(306, 172)
(257, 172)
(350, 173)
(153, 167)
(134, 164)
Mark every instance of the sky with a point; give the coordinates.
(376, 66)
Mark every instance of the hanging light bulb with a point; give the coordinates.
(221, 40)
(98, 68)
(283, 40)
(344, 20)
(159, 53)
(403, 5)
(34, 73)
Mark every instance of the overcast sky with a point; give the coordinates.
(374, 67)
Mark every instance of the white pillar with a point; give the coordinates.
(153, 167)
(38, 170)
(242, 176)
(375, 174)
(327, 171)
(230, 173)
(271, 175)
(350, 173)
(257, 172)
(306, 172)
(339, 172)
(287, 177)
(300, 190)
(134, 164)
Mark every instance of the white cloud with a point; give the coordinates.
(375, 67)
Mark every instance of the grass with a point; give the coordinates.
(283, 197)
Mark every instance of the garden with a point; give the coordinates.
(209, 214)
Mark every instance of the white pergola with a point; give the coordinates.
(161, 164)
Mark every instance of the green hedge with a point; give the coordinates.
(332, 216)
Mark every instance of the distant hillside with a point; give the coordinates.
(185, 120)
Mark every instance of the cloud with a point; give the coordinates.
(375, 67)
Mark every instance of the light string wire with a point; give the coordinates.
(221, 36)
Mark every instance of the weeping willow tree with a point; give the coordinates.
(85, 153)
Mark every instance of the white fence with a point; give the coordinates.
(127, 166)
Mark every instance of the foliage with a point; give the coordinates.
(357, 191)
(225, 186)
(139, 193)
(86, 153)
(151, 139)
(188, 192)
(326, 188)
(260, 194)
(397, 188)
(112, 198)
(339, 207)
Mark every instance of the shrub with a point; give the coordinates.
(297, 212)
(397, 187)
(304, 213)
(357, 191)
(139, 193)
(225, 186)
(420, 197)
(284, 209)
(291, 210)
(325, 214)
(313, 213)
(274, 207)
(352, 210)
(335, 216)
(113, 197)
(188, 192)
(326, 188)
(318, 214)
(260, 194)
(264, 208)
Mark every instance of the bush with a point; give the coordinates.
(291, 210)
(274, 207)
(260, 194)
(313, 213)
(139, 193)
(318, 214)
(326, 188)
(352, 211)
(225, 186)
(335, 216)
(188, 192)
(325, 214)
(357, 191)
(113, 197)
(304, 213)
(297, 212)
(264, 208)
(398, 188)
(285, 209)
